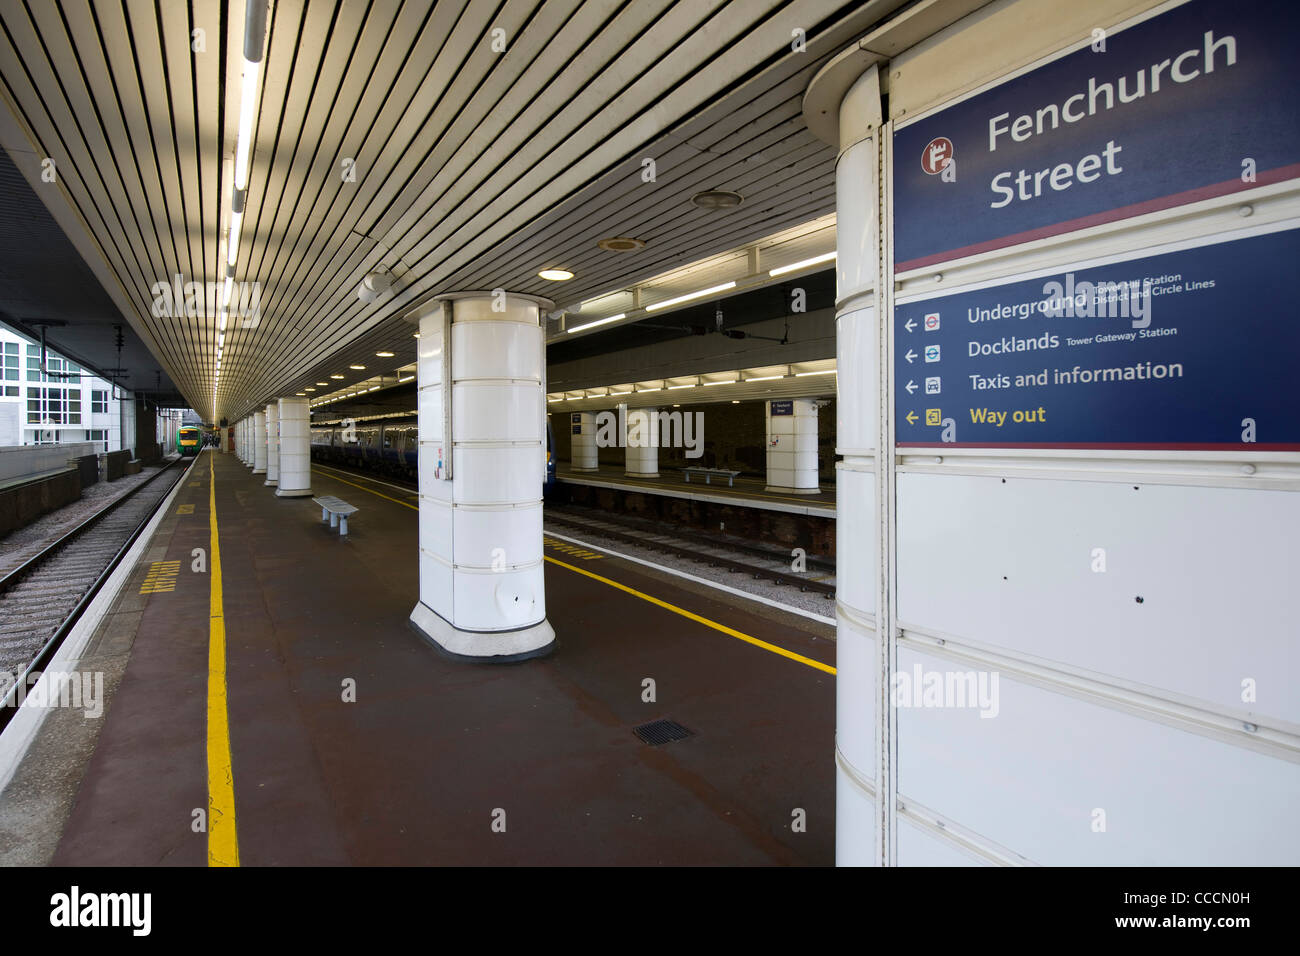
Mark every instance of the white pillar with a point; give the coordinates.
(295, 448)
(246, 442)
(259, 443)
(583, 451)
(240, 444)
(865, 795)
(643, 456)
(482, 593)
(272, 445)
(792, 446)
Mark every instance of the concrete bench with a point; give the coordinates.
(336, 511)
(711, 473)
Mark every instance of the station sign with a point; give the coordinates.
(781, 407)
(1186, 350)
(1196, 102)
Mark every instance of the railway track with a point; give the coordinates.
(761, 564)
(758, 562)
(42, 598)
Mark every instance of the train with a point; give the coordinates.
(390, 447)
(189, 440)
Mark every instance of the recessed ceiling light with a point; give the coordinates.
(416, 335)
(322, 383)
(303, 394)
(357, 367)
(384, 354)
(336, 376)
(717, 199)
(621, 244)
(556, 275)
(309, 389)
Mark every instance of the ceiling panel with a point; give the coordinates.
(474, 167)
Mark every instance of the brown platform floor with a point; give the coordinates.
(747, 492)
(412, 772)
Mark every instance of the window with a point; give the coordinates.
(34, 365)
(10, 373)
(98, 401)
(53, 406)
(11, 391)
(98, 434)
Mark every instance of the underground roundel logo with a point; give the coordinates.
(936, 155)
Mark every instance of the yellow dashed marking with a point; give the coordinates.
(161, 577)
(572, 550)
(185, 510)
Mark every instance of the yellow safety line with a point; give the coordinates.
(373, 492)
(223, 841)
(731, 632)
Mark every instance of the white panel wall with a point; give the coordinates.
(1132, 612)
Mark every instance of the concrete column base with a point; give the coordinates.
(793, 491)
(259, 471)
(492, 647)
(640, 474)
(269, 483)
(584, 470)
(293, 493)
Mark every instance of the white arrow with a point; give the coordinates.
(909, 325)
(910, 356)
(910, 386)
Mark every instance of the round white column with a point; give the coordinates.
(272, 445)
(259, 443)
(642, 457)
(246, 442)
(241, 442)
(792, 446)
(295, 448)
(582, 454)
(865, 794)
(482, 592)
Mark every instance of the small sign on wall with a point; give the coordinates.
(782, 407)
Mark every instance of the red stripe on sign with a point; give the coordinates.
(1266, 178)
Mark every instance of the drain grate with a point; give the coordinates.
(661, 731)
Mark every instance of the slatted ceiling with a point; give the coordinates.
(466, 158)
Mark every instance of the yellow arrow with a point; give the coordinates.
(911, 418)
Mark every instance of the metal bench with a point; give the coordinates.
(335, 511)
(710, 473)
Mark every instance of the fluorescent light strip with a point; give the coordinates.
(247, 103)
(829, 371)
(690, 295)
(673, 388)
(730, 381)
(232, 244)
(764, 378)
(592, 325)
(815, 260)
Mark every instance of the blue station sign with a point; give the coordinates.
(1187, 350)
(782, 407)
(1199, 101)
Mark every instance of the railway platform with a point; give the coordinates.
(340, 736)
(745, 492)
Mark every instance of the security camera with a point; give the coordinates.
(374, 285)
